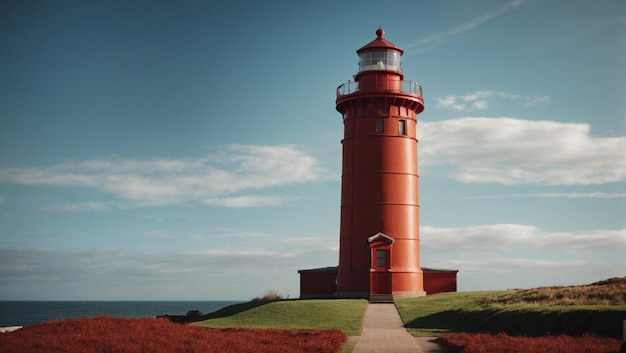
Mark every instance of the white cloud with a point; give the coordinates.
(481, 100)
(499, 238)
(331, 243)
(81, 206)
(450, 102)
(501, 256)
(206, 273)
(245, 201)
(575, 195)
(554, 195)
(487, 256)
(456, 32)
(232, 169)
(514, 151)
(245, 253)
(512, 272)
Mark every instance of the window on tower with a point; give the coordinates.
(380, 126)
(402, 127)
(380, 60)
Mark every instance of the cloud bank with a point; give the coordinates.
(482, 150)
(496, 256)
(212, 179)
(514, 151)
(503, 238)
(481, 100)
(213, 273)
(500, 256)
(560, 195)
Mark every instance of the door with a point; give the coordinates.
(381, 278)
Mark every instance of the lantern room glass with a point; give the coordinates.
(380, 60)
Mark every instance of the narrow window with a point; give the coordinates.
(381, 258)
(380, 126)
(402, 127)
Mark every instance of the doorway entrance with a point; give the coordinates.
(381, 278)
(380, 263)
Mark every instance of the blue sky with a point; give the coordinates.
(191, 149)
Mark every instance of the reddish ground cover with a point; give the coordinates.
(116, 335)
(502, 343)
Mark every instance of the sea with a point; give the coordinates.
(21, 313)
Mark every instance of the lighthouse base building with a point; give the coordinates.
(379, 240)
(320, 283)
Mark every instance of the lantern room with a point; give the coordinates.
(380, 55)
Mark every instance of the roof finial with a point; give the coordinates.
(379, 32)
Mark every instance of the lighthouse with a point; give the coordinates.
(379, 241)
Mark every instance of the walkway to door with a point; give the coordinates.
(383, 331)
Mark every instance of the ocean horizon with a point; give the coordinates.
(22, 313)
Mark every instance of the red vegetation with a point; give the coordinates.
(116, 335)
(502, 343)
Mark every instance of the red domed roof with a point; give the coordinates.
(379, 43)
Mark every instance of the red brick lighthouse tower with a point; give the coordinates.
(379, 237)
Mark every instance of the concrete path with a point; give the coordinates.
(383, 331)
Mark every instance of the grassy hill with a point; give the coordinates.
(342, 314)
(598, 308)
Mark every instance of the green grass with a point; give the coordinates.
(426, 316)
(561, 310)
(611, 291)
(482, 312)
(341, 314)
(347, 347)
